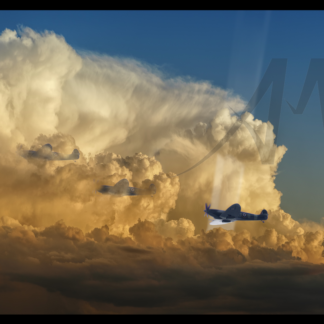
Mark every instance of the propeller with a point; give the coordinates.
(206, 209)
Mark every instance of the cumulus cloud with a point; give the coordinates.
(176, 229)
(34, 69)
(47, 87)
(98, 272)
(87, 252)
(42, 193)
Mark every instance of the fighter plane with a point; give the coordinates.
(122, 188)
(45, 153)
(232, 214)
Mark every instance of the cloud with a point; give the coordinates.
(117, 112)
(99, 272)
(176, 229)
(34, 69)
(130, 111)
(90, 253)
(47, 87)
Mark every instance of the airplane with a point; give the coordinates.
(46, 153)
(232, 214)
(122, 188)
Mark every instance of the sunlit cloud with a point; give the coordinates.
(61, 240)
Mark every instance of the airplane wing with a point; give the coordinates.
(217, 222)
(121, 187)
(232, 212)
(123, 183)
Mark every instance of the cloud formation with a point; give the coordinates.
(100, 272)
(85, 252)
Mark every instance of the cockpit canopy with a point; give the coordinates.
(264, 212)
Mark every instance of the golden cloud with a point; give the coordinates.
(87, 252)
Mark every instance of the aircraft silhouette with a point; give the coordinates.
(232, 214)
(46, 153)
(122, 188)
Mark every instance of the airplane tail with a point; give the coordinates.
(264, 212)
(75, 155)
(263, 215)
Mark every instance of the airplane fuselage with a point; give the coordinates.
(111, 190)
(219, 214)
(50, 155)
(122, 188)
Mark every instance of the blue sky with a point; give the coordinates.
(230, 49)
